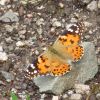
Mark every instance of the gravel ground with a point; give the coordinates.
(27, 28)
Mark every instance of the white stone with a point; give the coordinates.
(22, 32)
(57, 24)
(20, 44)
(14, 90)
(40, 21)
(61, 5)
(36, 52)
(76, 97)
(65, 96)
(52, 29)
(39, 30)
(3, 2)
(98, 96)
(9, 40)
(54, 19)
(87, 24)
(73, 20)
(1, 49)
(70, 92)
(3, 56)
(55, 98)
(9, 28)
(92, 6)
(22, 95)
(81, 88)
(99, 4)
(43, 96)
(41, 7)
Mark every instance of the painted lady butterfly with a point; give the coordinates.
(56, 60)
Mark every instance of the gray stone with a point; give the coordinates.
(92, 6)
(76, 97)
(8, 76)
(82, 71)
(9, 16)
(85, 1)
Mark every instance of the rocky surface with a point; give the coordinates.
(28, 27)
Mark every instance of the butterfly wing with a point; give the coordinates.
(69, 42)
(48, 63)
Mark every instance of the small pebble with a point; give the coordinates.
(99, 4)
(8, 76)
(75, 97)
(41, 7)
(52, 29)
(9, 28)
(87, 37)
(3, 56)
(9, 40)
(22, 95)
(92, 6)
(14, 90)
(61, 5)
(90, 32)
(57, 24)
(73, 20)
(3, 2)
(55, 98)
(22, 32)
(39, 30)
(40, 22)
(70, 92)
(87, 24)
(85, 1)
(20, 44)
(9, 16)
(29, 15)
(43, 96)
(65, 96)
(98, 96)
(81, 88)
(1, 48)
(36, 52)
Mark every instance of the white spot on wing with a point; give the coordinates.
(35, 71)
(70, 30)
(32, 66)
(77, 31)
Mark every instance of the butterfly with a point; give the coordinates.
(57, 59)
